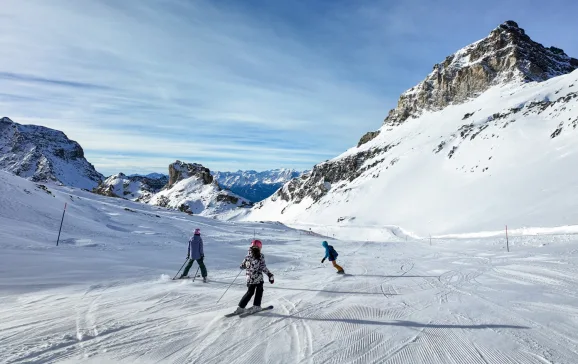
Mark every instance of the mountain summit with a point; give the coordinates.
(488, 138)
(43, 154)
(507, 54)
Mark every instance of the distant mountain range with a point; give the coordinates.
(253, 185)
(42, 154)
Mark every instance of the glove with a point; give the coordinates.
(203, 256)
(241, 267)
(323, 260)
(188, 257)
(271, 280)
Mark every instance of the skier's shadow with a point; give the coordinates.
(396, 323)
(380, 276)
(313, 290)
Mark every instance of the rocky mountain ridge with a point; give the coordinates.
(452, 115)
(507, 54)
(43, 154)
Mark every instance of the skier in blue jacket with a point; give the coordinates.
(331, 254)
(196, 253)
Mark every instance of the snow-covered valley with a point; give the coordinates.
(105, 294)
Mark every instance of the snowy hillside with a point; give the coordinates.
(507, 156)
(42, 154)
(253, 185)
(135, 188)
(104, 295)
(192, 188)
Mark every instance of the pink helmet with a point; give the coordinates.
(257, 243)
(197, 231)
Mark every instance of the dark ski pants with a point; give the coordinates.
(253, 289)
(201, 265)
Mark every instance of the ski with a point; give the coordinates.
(251, 313)
(178, 279)
(232, 314)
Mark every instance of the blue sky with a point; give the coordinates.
(234, 84)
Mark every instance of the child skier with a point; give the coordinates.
(255, 265)
(332, 255)
(196, 252)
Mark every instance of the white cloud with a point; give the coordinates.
(176, 70)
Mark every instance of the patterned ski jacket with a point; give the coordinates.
(255, 269)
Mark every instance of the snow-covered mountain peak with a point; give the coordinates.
(192, 189)
(43, 154)
(505, 155)
(506, 55)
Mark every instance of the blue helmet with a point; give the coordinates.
(325, 244)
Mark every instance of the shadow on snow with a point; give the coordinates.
(397, 323)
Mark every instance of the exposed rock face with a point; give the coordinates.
(42, 154)
(180, 170)
(367, 137)
(506, 54)
(319, 181)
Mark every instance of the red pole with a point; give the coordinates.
(507, 242)
(61, 221)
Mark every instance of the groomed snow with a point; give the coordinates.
(105, 295)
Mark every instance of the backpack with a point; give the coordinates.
(332, 252)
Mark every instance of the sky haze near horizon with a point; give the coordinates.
(230, 84)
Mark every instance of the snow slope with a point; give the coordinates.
(255, 186)
(505, 157)
(44, 154)
(105, 295)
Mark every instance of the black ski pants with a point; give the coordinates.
(252, 289)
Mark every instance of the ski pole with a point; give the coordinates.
(175, 277)
(195, 277)
(230, 285)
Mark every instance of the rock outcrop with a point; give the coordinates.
(507, 54)
(191, 188)
(180, 170)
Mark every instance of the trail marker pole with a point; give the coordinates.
(61, 221)
(430, 240)
(507, 241)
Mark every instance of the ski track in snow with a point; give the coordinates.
(113, 300)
